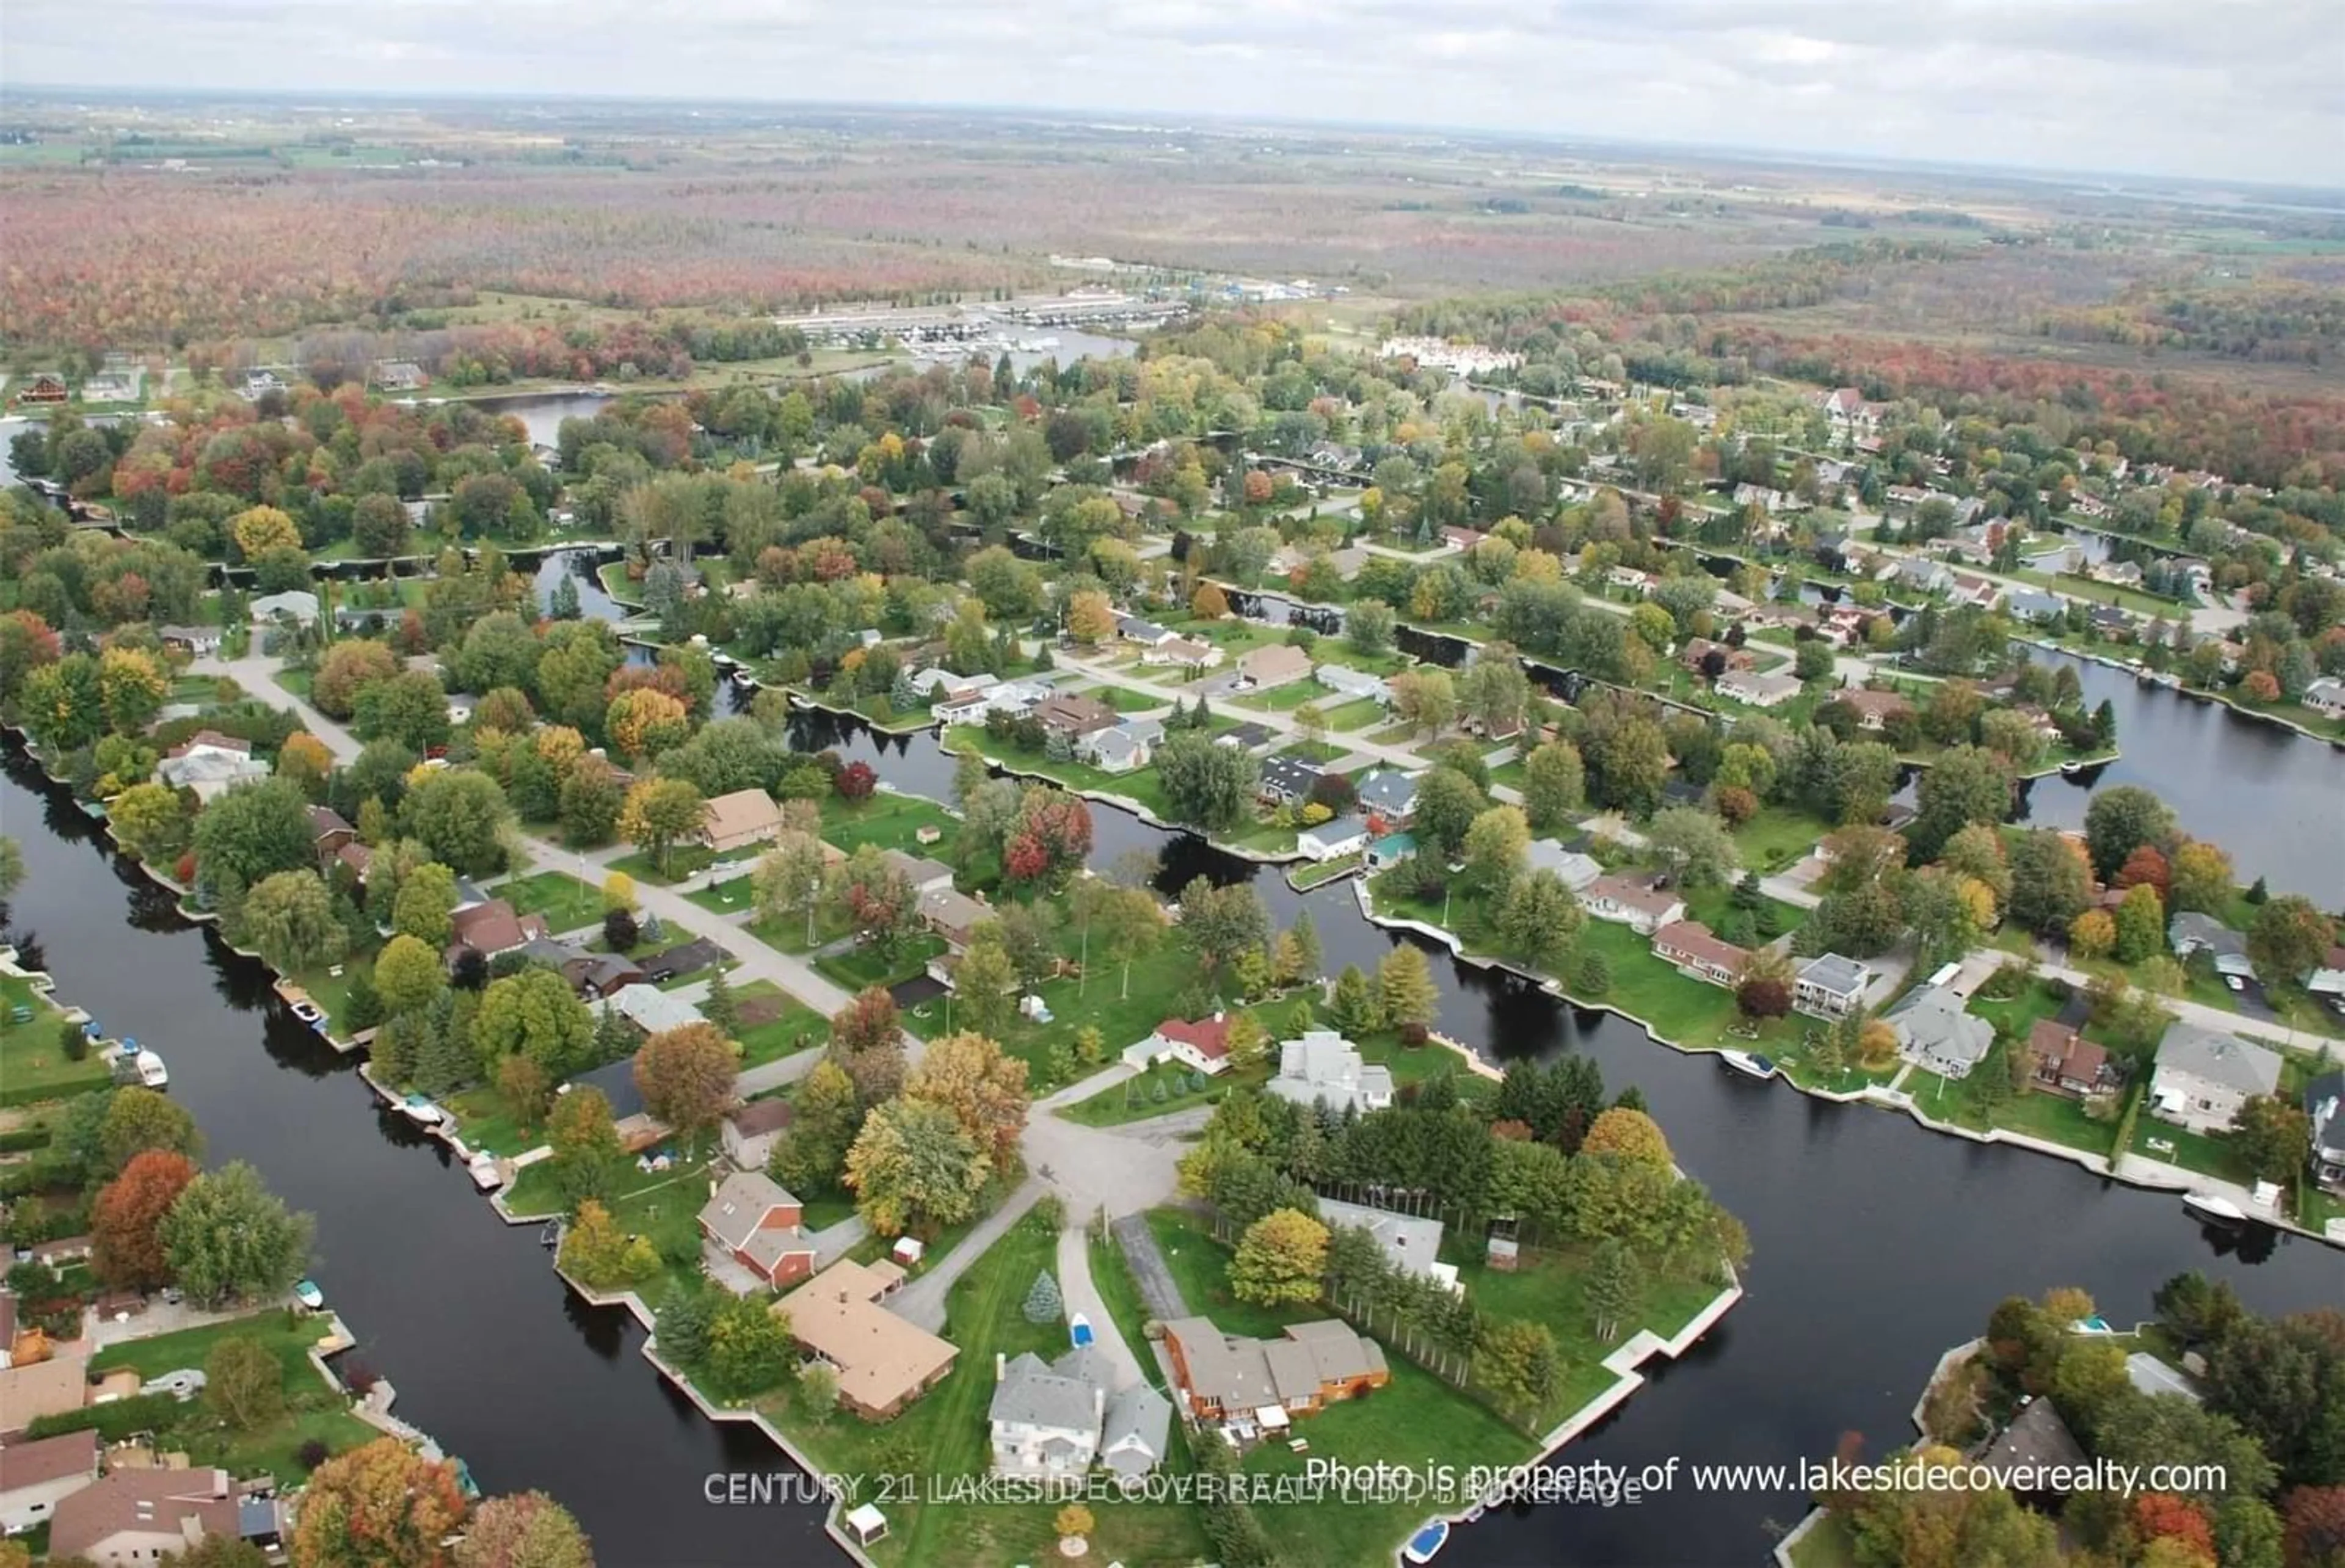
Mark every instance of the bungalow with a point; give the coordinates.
(296, 604)
(1273, 664)
(1334, 839)
(1875, 709)
(1287, 780)
(738, 820)
(1129, 745)
(1925, 576)
(30, 1390)
(1695, 656)
(884, 1362)
(1187, 652)
(1630, 577)
(1203, 1044)
(752, 1219)
(1322, 1068)
(491, 929)
(1073, 715)
(2122, 573)
(1388, 796)
(1257, 1385)
(1757, 690)
(194, 639)
(1933, 1032)
(1147, 634)
(35, 1477)
(2326, 696)
(1353, 684)
(1698, 954)
(1625, 901)
(1972, 590)
(936, 681)
(1462, 538)
(653, 1010)
(1245, 737)
(1830, 985)
(2324, 1104)
(2067, 1063)
(1575, 870)
(1410, 1243)
(2108, 620)
(2203, 1077)
(210, 763)
(146, 1515)
(750, 1133)
(2033, 606)
(2191, 932)
(600, 975)
(953, 915)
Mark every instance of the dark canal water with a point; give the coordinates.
(1876, 1244)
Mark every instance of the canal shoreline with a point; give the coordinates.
(1877, 1095)
(1121, 802)
(2195, 693)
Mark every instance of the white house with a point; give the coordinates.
(1759, 691)
(1351, 684)
(1046, 1416)
(1323, 1068)
(298, 605)
(210, 764)
(1626, 901)
(1203, 1044)
(1332, 839)
(2204, 1076)
(1388, 794)
(1410, 1241)
(1129, 745)
(1829, 985)
(2326, 695)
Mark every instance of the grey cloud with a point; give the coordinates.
(2225, 89)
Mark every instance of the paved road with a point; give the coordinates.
(1083, 1296)
(2205, 1017)
(923, 1301)
(1157, 1287)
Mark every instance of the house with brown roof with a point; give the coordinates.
(750, 1133)
(740, 819)
(1073, 714)
(491, 929)
(754, 1220)
(884, 1361)
(1274, 664)
(1256, 1385)
(923, 873)
(56, 1383)
(1695, 656)
(2065, 1062)
(953, 915)
(141, 1516)
(35, 1477)
(330, 832)
(1186, 652)
(1698, 953)
(1875, 709)
(1626, 901)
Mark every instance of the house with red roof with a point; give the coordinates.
(1203, 1044)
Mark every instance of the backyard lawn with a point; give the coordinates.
(567, 903)
(486, 1120)
(774, 1023)
(1776, 837)
(683, 860)
(1356, 715)
(890, 820)
(32, 1061)
(863, 966)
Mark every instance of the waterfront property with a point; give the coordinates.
(135, 1515)
(1934, 1032)
(1576, 870)
(1698, 954)
(1829, 985)
(2190, 931)
(884, 1361)
(1411, 1242)
(2203, 1077)
(1252, 1388)
(2065, 1062)
(1334, 839)
(755, 1222)
(2324, 1108)
(1046, 1416)
(1203, 1044)
(1323, 1068)
(1389, 796)
(491, 929)
(1627, 901)
(740, 820)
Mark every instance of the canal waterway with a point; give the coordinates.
(1876, 1244)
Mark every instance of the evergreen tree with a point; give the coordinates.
(364, 1008)
(611, 1037)
(720, 1006)
(444, 1062)
(1356, 1007)
(1308, 957)
(1043, 1304)
(1592, 974)
(1616, 1288)
(565, 605)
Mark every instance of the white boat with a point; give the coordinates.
(152, 1073)
(2208, 1206)
(306, 1291)
(1426, 1542)
(484, 1171)
(742, 676)
(2071, 769)
(422, 1111)
(1749, 1063)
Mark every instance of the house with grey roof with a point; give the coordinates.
(2191, 932)
(298, 604)
(1119, 750)
(1828, 985)
(1046, 1416)
(1390, 794)
(1323, 1068)
(1351, 684)
(1411, 1242)
(1574, 869)
(1332, 839)
(1133, 1435)
(2033, 605)
(2204, 1076)
(1933, 1032)
(2324, 1106)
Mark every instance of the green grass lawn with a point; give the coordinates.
(1356, 715)
(2204, 1153)
(1097, 1001)
(1123, 700)
(330, 991)
(864, 967)
(1134, 1099)
(34, 1065)
(1511, 774)
(1140, 784)
(1318, 752)
(728, 898)
(683, 860)
(796, 1028)
(486, 1120)
(889, 820)
(567, 903)
(1776, 837)
(1284, 699)
(1327, 870)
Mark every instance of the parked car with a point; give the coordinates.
(2234, 982)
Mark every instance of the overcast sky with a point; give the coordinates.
(2249, 89)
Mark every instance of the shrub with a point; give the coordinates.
(73, 1039)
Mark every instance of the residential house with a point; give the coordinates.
(1925, 576)
(1287, 781)
(1187, 652)
(1698, 953)
(259, 383)
(2108, 620)
(2191, 932)
(398, 375)
(1388, 796)
(1246, 736)
(598, 975)
(1332, 839)
(2033, 606)
(750, 1133)
(296, 604)
(740, 819)
(1131, 745)
(653, 1010)
(1074, 715)
(922, 873)
(1046, 1416)
(1323, 1068)
(195, 639)
(1830, 985)
(330, 832)
(1411, 1242)
(1147, 634)
(1257, 1385)
(210, 764)
(1875, 709)
(1759, 691)
(2037, 1442)
(1133, 1435)
(35, 1477)
(1462, 538)
(2203, 1077)
(2123, 574)
(1350, 684)
(1969, 589)
(884, 1362)
(2065, 1062)
(56, 1384)
(491, 929)
(1847, 411)
(1629, 579)
(1272, 665)
(141, 1516)
(2326, 696)
(43, 387)
(953, 915)
(1015, 698)
(2324, 1106)
(1934, 1032)
(1576, 870)
(1626, 901)
(1203, 1044)
(1695, 656)
(755, 1221)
